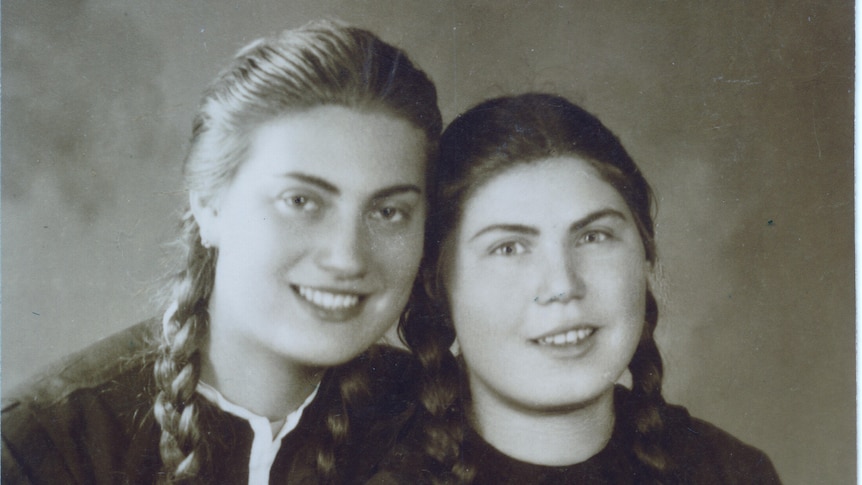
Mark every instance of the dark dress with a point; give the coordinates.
(89, 420)
(703, 454)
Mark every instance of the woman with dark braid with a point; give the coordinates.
(540, 251)
(307, 186)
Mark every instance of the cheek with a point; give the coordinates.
(243, 222)
(635, 287)
(625, 296)
(483, 305)
(258, 252)
(622, 278)
(617, 293)
(261, 243)
(397, 257)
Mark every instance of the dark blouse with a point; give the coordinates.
(89, 420)
(702, 453)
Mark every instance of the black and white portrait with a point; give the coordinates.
(732, 211)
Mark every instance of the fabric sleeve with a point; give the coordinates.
(75, 421)
(10, 468)
(763, 471)
(708, 454)
(29, 456)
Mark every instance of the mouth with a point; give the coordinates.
(330, 301)
(567, 338)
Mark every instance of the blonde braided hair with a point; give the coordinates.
(322, 63)
(178, 365)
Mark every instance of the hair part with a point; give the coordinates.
(321, 63)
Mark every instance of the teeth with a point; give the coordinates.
(567, 338)
(329, 301)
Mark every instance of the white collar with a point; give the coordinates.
(264, 447)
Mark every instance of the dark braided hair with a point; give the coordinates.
(322, 63)
(486, 140)
(429, 334)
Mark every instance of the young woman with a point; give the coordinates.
(546, 245)
(307, 189)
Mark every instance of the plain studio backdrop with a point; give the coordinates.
(739, 113)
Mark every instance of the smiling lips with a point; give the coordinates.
(571, 337)
(328, 300)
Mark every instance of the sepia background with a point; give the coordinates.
(740, 114)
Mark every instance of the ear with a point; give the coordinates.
(206, 216)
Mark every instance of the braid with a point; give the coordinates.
(337, 428)
(353, 381)
(178, 366)
(644, 408)
(429, 336)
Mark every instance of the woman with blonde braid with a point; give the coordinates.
(307, 186)
(546, 245)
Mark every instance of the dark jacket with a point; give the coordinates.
(89, 420)
(701, 453)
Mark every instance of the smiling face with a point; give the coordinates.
(546, 287)
(319, 236)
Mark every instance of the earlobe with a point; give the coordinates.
(206, 216)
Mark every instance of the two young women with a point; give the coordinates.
(310, 169)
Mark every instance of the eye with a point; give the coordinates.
(299, 202)
(591, 237)
(390, 214)
(509, 249)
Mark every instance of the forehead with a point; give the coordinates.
(550, 191)
(340, 144)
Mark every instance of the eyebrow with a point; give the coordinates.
(397, 189)
(328, 187)
(312, 180)
(516, 228)
(532, 231)
(594, 216)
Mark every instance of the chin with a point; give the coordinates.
(311, 355)
(331, 359)
(568, 398)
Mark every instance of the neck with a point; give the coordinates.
(260, 381)
(552, 438)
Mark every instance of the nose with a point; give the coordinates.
(343, 251)
(560, 280)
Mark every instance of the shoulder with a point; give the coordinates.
(700, 449)
(87, 404)
(101, 362)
